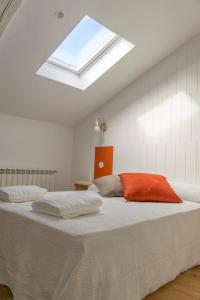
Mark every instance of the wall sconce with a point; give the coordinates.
(100, 125)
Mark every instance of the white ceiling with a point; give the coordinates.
(156, 27)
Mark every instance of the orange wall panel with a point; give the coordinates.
(103, 164)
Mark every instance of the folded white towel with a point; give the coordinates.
(21, 193)
(68, 204)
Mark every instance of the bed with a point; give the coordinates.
(126, 251)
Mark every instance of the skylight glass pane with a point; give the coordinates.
(83, 43)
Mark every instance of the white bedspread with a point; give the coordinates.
(124, 253)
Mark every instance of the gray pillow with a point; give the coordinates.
(109, 186)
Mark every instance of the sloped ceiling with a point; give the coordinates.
(7, 10)
(156, 27)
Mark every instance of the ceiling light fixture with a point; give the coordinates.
(59, 15)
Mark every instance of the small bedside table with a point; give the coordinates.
(81, 185)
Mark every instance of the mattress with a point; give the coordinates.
(126, 251)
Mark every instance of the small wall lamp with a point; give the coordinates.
(100, 125)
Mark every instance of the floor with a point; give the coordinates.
(184, 287)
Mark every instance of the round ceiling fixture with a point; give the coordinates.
(59, 14)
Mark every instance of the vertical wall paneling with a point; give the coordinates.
(154, 124)
(191, 161)
(180, 161)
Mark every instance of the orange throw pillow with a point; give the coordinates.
(147, 188)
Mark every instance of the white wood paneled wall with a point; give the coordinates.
(154, 124)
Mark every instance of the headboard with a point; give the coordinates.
(41, 177)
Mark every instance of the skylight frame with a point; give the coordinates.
(110, 42)
(100, 60)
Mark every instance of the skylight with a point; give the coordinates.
(85, 54)
(86, 40)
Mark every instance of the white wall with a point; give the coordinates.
(154, 124)
(34, 144)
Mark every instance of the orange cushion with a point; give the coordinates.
(147, 187)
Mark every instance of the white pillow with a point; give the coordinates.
(186, 191)
(21, 193)
(94, 188)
